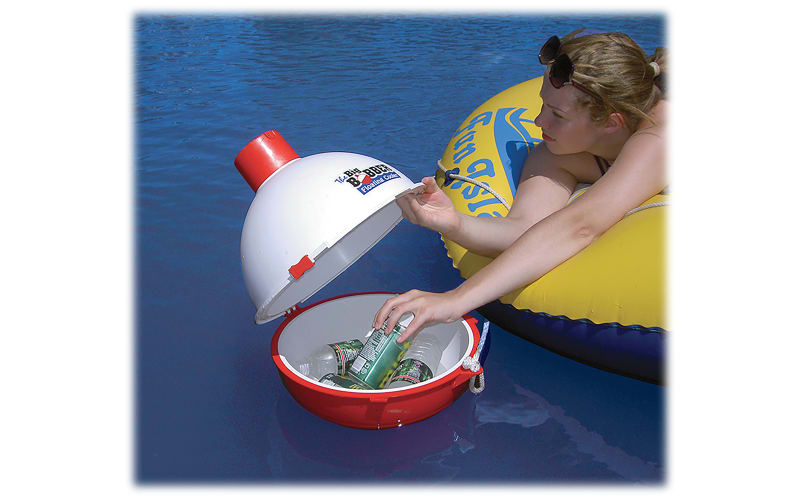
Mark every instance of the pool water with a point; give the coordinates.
(210, 406)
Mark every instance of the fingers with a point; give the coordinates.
(382, 314)
(411, 331)
(393, 309)
(428, 309)
(385, 311)
(404, 202)
(411, 204)
(430, 185)
(401, 305)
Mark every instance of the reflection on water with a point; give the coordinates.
(512, 412)
(462, 442)
(372, 454)
(530, 410)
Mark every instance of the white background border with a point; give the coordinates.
(67, 267)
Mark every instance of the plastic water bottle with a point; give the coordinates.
(380, 355)
(330, 358)
(419, 362)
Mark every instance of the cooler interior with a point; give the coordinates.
(351, 317)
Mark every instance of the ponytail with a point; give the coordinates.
(659, 58)
(614, 67)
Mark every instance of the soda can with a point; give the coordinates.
(410, 371)
(345, 382)
(380, 355)
(345, 353)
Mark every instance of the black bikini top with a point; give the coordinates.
(603, 164)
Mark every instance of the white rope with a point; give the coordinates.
(473, 181)
(477, 383)
(581, 188)
(649, 205)
(471, 363)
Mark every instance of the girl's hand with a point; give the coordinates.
(428, 309)
(431, 208)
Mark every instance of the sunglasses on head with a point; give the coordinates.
(561, 67)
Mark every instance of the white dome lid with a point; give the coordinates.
(310, 220)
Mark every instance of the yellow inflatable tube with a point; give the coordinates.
(618, 279)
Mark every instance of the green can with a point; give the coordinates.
(380, 355)
(345, 353)
(411, 371)
(345, 382)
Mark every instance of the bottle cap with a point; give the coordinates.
(262, 157)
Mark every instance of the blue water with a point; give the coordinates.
(210, 406)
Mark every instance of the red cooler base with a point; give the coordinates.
(348, 317)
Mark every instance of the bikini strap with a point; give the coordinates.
(602, 163)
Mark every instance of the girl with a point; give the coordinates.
(603, 121)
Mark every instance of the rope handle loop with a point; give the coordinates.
(477, 383)
(471, 363)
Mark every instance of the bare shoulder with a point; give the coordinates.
(658, 125)
(639, 172)
(645, 149)
(580, 166)
(544, 187)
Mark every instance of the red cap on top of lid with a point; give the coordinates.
(262, 157)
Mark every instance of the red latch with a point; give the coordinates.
(301, 267)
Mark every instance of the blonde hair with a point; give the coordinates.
(614, 67)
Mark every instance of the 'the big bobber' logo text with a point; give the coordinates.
(369, 178)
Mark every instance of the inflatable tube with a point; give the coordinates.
(604, 306)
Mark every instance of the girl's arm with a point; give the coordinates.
(545, 186)
(639, 172)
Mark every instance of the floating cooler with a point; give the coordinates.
(311, 218)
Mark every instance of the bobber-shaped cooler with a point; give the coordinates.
(311, 218)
